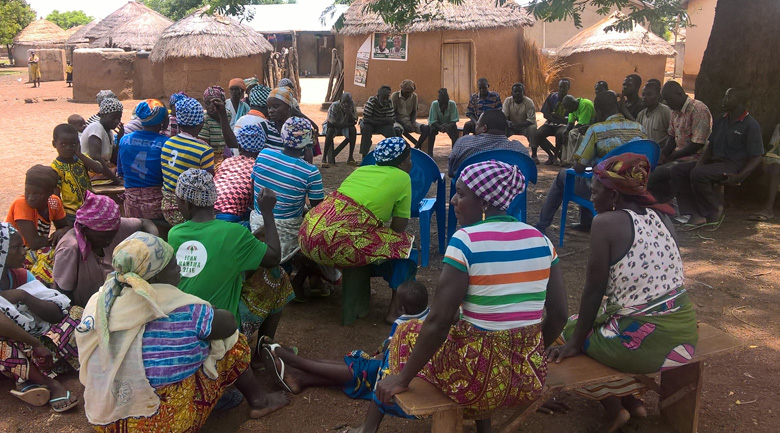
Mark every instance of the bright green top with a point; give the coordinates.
(585, 114)
(385, 191)
(213, 256)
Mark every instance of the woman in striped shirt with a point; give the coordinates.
(504, 273)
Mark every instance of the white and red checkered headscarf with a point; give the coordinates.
(98, 213)
(495, 181)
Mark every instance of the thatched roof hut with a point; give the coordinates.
(594, 55)
(450, 45)
(203, 49)
(69, 32)
(39, 34)
(78, 36)
(140, 33)
(120, 16)
(444, 15)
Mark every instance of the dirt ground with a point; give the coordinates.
(731, 277)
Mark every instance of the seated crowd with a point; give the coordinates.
(225, 221)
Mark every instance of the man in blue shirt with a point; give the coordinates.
(480, 102)
(555, 113)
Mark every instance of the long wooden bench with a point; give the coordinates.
(679, 389)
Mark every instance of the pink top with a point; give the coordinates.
(234, 186)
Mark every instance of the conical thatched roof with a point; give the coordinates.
(203, 35)
(469, 15)
(78, 36)
(120, 16)
(637, 41)
(41, 32)
(69, 32)
(140, 33)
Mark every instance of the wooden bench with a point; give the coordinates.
(679, 389)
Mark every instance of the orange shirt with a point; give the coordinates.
(21, 211)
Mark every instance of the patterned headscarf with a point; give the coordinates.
(296, 133)
(249, 82)
(627, 174)
(495, 181)
(151, 112)
(189, 112)
(98, 213)
(6, 230)
(103, 94)
(136, 260)
(42, 176)
(408, 85)
(251, 138)
(176, 97)
(197, 187)
(286, 82)
(237, 82)
(258, 96)
(283, 94)
(110, 105)
(214, 92)
(389, 149)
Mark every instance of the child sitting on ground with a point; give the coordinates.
(71, 166)
(357, 374)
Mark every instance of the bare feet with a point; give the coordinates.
(634, 406)
(269, 403)
(616, 415)
(273, 363)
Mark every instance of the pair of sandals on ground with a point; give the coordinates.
(40, 395)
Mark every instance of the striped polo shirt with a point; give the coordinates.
(603, 137)
(508, 263)
(180, 153)
(292, 179)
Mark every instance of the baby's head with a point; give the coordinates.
(77, 122)
(412, 298)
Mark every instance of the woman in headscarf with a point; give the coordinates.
(293, 180)
(258, 109)
(505, 274)
(33, 213)
(99, 97)
(82, 259)
(349, 229)
(648, 322)
(235, 105)
(250, 84)
(173, 128)
(234, 179)
(217, 125)
(36, 330)
(34, 69)
(97, 141)
(190, 351)
(280, 103)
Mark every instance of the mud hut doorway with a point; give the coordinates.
(456, 71)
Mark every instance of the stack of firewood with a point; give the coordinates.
(336, 79)
(283, 64)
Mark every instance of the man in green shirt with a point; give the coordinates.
(442, 117)
(581, 115)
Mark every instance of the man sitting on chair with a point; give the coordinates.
(555, 114)
(520, 114)
(342, 117)
(443, 117)
(490, 135)
(480, 102)
(405, 105)
(612, 131)
(378, 118)
(581, 114)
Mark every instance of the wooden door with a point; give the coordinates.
(456, 72)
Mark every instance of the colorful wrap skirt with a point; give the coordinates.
(480, 370)
(185, 406)
(340, 232)
(40, 263)
(170, 209)
(266, 292)
(643, 339)
(144, 203)
(15, 357)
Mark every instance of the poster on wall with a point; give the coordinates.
(361, 63)
(387, 46)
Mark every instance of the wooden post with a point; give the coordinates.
(449, 421)
(329, 93)
(681, 397)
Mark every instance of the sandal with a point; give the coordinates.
(71, 403)
(715, 225)
(269, 348)
(33, 394)
(353, 163)
(759, 217)
(324, 165)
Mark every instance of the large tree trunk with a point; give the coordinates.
(743, 51)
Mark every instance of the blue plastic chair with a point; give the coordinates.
(425, 172)
(518, 207)
(648, 148)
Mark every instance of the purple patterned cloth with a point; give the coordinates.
(497, 182)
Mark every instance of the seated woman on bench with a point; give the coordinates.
(504, 273)
(648, 323)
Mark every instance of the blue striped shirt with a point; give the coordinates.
(292, 179)
(174, 347)
(181, 153)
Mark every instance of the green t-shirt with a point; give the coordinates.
(585, 114)
(385, 191)
(213, 256)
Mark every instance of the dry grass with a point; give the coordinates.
(203, 35)
(540, 72)
(140, 33)
(41, 32)
(637, 41)
(469, 15)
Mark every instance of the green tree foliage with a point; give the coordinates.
(15, 15)
(69, 19)
(178, 9)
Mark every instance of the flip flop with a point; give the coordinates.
(323, 292)
(353, 163)
(69, 406)
(269, 348)
(688, 227)
(715, 225)
(34, 395)
(759, 217)
(324, 165)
